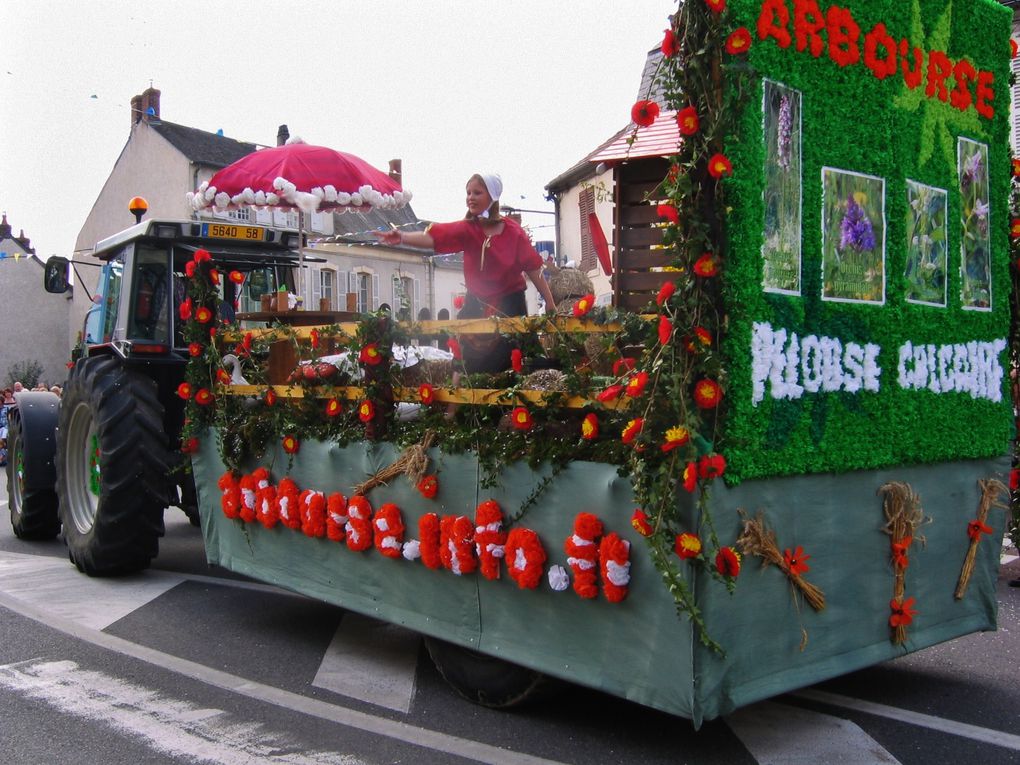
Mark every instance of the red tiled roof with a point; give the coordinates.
(659, 139)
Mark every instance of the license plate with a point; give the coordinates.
(231, 231)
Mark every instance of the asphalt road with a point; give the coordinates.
(183, 663)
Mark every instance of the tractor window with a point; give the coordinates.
(111, 296)
(149, 305)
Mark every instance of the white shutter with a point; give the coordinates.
(395, 297)
(316, 277)
(375, 292)
(416, 301)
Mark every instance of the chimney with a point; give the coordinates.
(150, 104)
(396, 172)
(136, 109)
(282, 135)
(25, 242)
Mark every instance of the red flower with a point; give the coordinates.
(633, 430)
(517, 360)
(184, 309)
(719, 166)
(521, 418)
(676, 436)
(669, 212)
(458, 302)
(665, 293)
(1013, 47)
(313, 337)
(270, 397)
(190, 446)
(665, 330)
(1014, 228)
(625, 364)
(738, 42)
(796, 561)
(644, 112)
(727, 562)
(584, 305)
(702, 338)
(636, 384)
(976, 528)
(670, 46)
(899, 549)
(1014, 479)
(428, 486)
(687, 545)
(706, 266)
(1016, 167)
(202, 255)
(195, 349)
(902, 613)
(236, 277)
(246, 343)
(426, 393)
(189, 269)
(687, 120)
(203, 397)
(203, 315)
(716, 5)
(711, 466)
(454, 345)
(366, 411)
(291, 444)
(370, 355)
(707, 394)
(223, 377)
(590, 427)
(690, 476)
(184, 390)
(333, 408)
(610, 394)
(639, 520)
(214, 276)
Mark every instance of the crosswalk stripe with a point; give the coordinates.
(371, 661)
(780, 734)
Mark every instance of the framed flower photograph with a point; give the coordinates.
(975, 237)
(782, 193)
(926, 268)
(853, 237)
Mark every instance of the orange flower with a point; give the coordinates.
(676, 436)
(633, 430)
(195, 349)
(976, 528)
(590, 427)
(706, 266)
(665, 330)
(707, 394)
(903, 613)
(184, 390)
(669, 212)
(711, 466)
(738, 42)
(428, 486)
(727, 562)
(521, 418)
(702, 339)
(223, 376)
(203, 315)
(665, 292)
(636, 384)
(236, 277)
(1014, 231)
(719, 166)
(214, 276)
(1016, 167)
(639, 520)
(716, 5)
(900, 549)
(690, 476)
(670, 46)
(796, 561)
(270, 397)
(370, 355)
(687, 120)
(426, 393)
(203, 397)
(687, 545)
(313, 337)
(333, 408)
(584, 305)
(291, 444)
(366, 411)
(644, 112)
(517, 358)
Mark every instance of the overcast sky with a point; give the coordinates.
(525, 88)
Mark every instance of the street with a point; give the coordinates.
(184, 663)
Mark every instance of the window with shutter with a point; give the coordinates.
(375, 292)
(586, 205)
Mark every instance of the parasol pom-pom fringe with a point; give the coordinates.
(357, 200)
(343, 198)
(209, 193)
(330, 193)
(307, 203)
(272, 199)
(295, 139)
(260, 198)
(222, 199)
(318, 192)
(248, 196)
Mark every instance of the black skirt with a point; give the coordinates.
(489, 353)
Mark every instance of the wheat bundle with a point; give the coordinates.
(758, 539)
(413, 462)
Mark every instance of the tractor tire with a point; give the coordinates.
(30, 474)
(481, 679)
(112, 463)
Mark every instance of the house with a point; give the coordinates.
(613, 187)
(33, 323)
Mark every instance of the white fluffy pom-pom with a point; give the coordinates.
(260, 198)
(272, 199)
(330, 192)
(209, 193)
(558, 578)
(222, 199)
(237, 199)
(357, 200)
(412, 550)
(318, 192)
(343, 198)
(279, 183)
(248, 196)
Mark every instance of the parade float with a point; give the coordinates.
(790, 464)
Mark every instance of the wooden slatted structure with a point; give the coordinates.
(638, 233)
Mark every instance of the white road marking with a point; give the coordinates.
(779, 734)
(169, 726)
(965, 730)
(381, 726)
(53, 584)
(371, 661)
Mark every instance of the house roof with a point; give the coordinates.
(202, 147)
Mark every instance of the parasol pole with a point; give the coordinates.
(301, 255)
